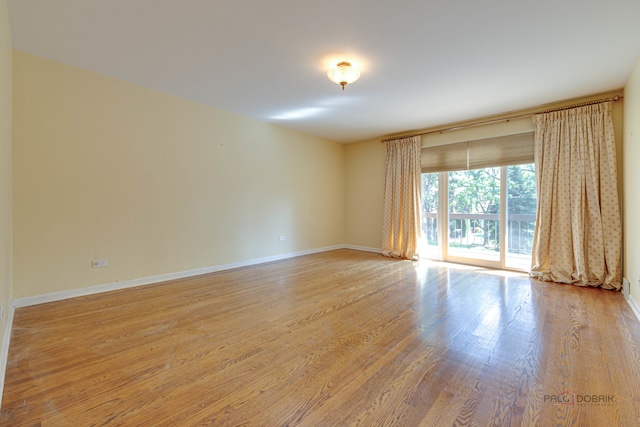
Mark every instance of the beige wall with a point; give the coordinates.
(631, 173)
(5, 169)
(365, 170)
(365, 189)
(155, 184)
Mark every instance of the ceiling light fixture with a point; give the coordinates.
(343, 74)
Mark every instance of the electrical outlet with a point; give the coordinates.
(281, 238)
(97, 263)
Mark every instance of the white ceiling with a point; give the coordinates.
(424, 63)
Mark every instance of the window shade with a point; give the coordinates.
(481, 153)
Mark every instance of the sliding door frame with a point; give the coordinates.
(443, 225)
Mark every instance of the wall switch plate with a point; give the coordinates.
(97, 263)
(281, 238)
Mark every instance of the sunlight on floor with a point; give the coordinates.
(425, 263)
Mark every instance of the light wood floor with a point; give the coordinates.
(332, 339)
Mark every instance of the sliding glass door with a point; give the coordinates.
(474, 214)
(521, 215)
(481, 216)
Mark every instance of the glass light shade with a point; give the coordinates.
(343, 74)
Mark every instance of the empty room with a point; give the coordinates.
(278, 213)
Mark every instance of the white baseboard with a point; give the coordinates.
(4, 350)
(58, 296)
(634, 307)
(363, 248)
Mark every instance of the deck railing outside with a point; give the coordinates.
(482, 232)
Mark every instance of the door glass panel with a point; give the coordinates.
(430, 214)
(521, 215)
(474, 214)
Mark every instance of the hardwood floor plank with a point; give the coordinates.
(337, 338)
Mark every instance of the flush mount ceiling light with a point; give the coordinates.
(343, 74)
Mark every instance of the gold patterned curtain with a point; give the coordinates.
(578, 235)
(401, 231)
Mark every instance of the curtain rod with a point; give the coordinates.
(506, 119)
